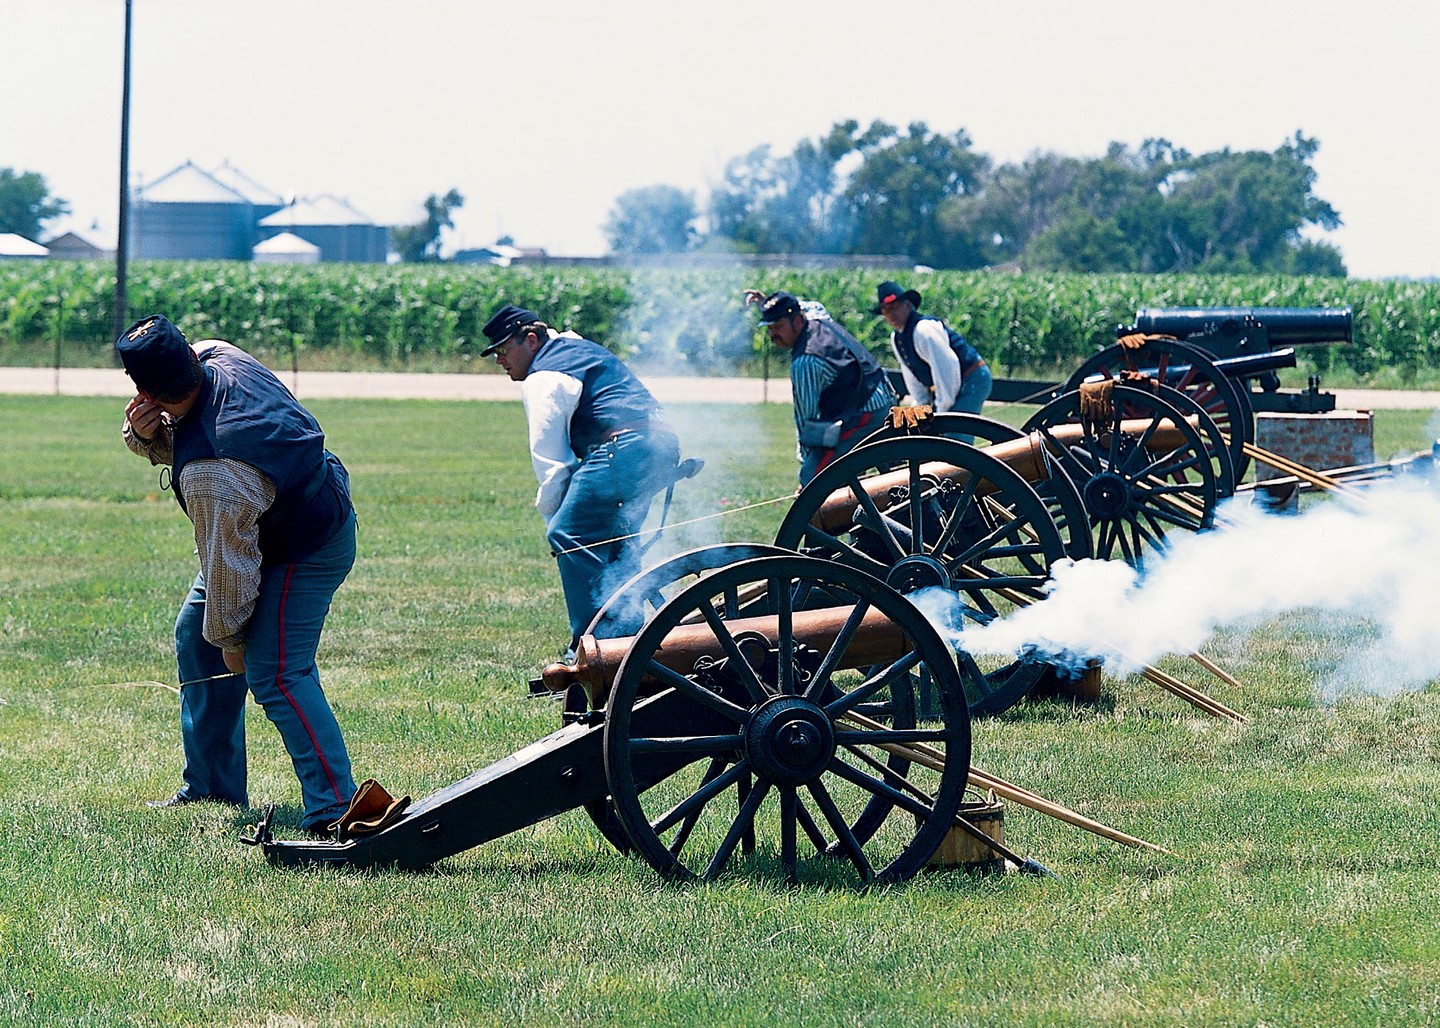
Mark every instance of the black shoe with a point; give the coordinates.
(319, 831)
(178, 800)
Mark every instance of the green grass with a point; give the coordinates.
(1307, 843)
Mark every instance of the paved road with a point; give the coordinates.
(668, 390)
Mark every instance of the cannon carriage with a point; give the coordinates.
(773, 699)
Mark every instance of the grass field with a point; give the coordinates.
(1302, 891)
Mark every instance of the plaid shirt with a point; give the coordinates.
(224, 499)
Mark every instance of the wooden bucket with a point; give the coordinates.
(959, 848)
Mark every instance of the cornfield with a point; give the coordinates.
(680, 321)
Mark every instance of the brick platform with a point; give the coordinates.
(1321, 442)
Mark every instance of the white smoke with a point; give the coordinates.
(1374, 559)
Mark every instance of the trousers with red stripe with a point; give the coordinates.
(281, 640)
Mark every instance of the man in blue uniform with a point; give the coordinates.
(599, 448)
(275, 534)
(839, 390)
(940, 368)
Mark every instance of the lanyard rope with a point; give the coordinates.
(172, 688)
(691, 521)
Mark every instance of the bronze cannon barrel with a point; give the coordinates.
(1027, 457)
(877, 640)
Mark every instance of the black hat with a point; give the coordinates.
(503, 323)
(885, 292)
(778, 305)
(155, 354)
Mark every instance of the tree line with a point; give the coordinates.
(937, 200)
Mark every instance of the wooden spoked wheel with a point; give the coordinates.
(797, 761)
(1140, 482)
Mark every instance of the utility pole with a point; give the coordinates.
(122, 242)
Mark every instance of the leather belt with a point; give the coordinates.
(978, 364)
(615, 433)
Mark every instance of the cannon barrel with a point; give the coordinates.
(597, 661)
(1027, 457)
(1291, 326)
(1247, 366)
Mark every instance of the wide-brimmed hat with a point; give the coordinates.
(155, 353)
(503, 324)
(888, 292)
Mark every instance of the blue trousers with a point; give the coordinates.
(281, 639)
(608, 496)
(974, 390)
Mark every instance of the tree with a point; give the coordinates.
(420, 242)
(26, 204)
(1244, 212)
(652, 219)
(901, 187)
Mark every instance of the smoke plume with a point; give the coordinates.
(1372, 559)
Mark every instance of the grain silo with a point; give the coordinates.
(188, 214)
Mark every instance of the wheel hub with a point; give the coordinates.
(789, 740)
(1107, 495)
(916, 572)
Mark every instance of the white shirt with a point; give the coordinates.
(932, 345)
(550, 399)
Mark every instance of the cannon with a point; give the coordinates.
(1241, 332)
(773, 699)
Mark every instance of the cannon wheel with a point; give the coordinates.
(1134, 496)
(992, 542)
(793, 757)
(1226, 401)
(1216, 442)
(635, 603)
(1067, 509)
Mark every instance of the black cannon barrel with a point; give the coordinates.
(1294, 326)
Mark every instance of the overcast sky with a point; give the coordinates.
(541, 112)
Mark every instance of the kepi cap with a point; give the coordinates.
(155, 353)
(887, 292)
(503, 323)
(778, 305)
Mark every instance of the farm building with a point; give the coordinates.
(188, 214)
(340, 231)
(75, 246)
(193, 214)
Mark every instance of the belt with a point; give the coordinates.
(639, 426)
(978, 364)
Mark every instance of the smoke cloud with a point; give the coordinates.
(1370, 560)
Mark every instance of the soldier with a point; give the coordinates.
(600, 449)
(839, 390)
(275, 534)
(939, 367)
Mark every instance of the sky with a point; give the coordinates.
(542, 112)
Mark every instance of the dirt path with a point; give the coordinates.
(668, 390)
